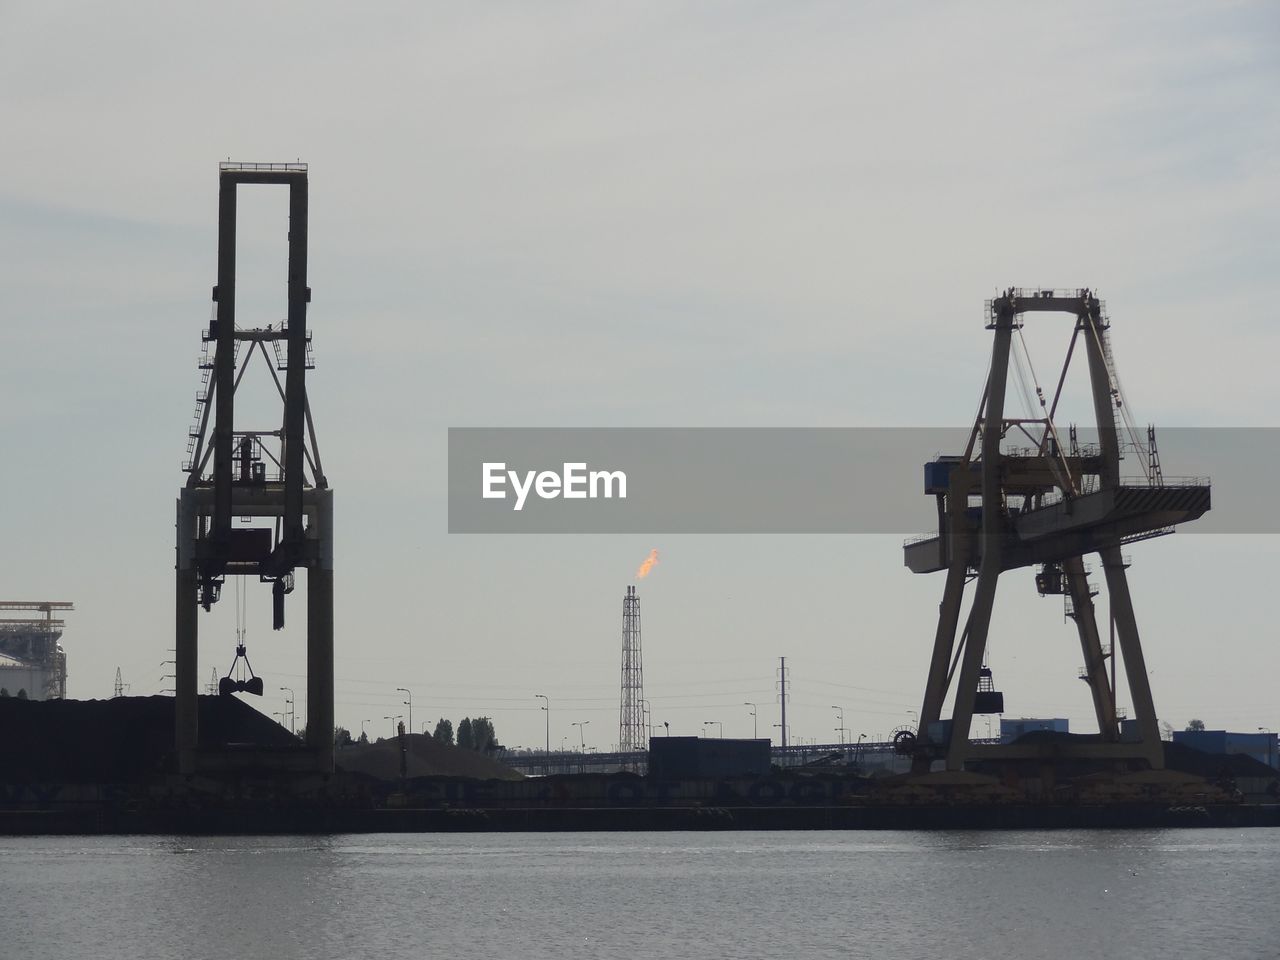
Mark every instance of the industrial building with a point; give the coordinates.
(1013, 728)
(1263, 746)
(675, 758)
(32, 662)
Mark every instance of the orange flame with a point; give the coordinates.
(645, 567)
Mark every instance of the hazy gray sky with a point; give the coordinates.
(565, 214)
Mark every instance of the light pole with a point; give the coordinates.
(1270, 737)
(719, 726)
(840, 729)
(582, 735)
(857, 750)
(782, 737)
(362, 736)
(393, 723)
(546, 707)
(647, 709)
(290, 704)
(755, 719)
(916, 715)
(408, 703)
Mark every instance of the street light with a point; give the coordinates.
(362, 736)
(840, 729)
(408, 703)
(646, 709)
(547, 708)
(755, 719)
(292, 695)
(582, 735)
(393, 723)
(917, 719)
(1270, 737)
(707, 723)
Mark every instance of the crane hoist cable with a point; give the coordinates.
(236, 682)
(1117, 397)
(1056, 462)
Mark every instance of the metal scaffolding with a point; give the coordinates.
(631, 726)
(31, 643)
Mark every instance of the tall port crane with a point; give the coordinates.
(258, 474)
(1023, 494)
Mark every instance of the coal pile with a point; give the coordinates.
(122, 740)
(1178, 756)
(425, 757)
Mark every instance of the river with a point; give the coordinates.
(1058, 895)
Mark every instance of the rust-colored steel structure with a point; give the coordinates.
(1047, 503)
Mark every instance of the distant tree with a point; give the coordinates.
(22, 694)
(1194, 726)
(4, 692)
(342, 737)
(482, 735)
(364, 739)
(466, 739)
(444, 732)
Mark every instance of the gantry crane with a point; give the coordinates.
(294, 495)
(1048, 504)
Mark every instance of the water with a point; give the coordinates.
(1070, 894)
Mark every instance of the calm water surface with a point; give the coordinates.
(1013, 896)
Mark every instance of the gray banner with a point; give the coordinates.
(787, 480)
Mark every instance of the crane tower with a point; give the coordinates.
(269, 477)
(1024, 495)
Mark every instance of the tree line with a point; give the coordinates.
(473, 733)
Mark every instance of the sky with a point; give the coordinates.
(632, 214)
